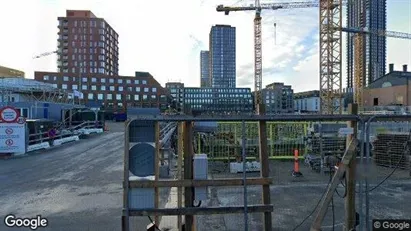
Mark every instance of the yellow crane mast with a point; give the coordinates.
(330, 49)
(359, 57)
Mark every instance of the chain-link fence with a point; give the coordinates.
(383, 172)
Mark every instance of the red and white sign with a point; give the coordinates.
(8, 131)
(9, 115)
(9, 142)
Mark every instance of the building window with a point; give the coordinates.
(103, 88)
(145, 97)
(112, 88)
(65, 78)
(153, 96)
(129, 89)
(146, 89)
(111, 80)
(120, 81)
(128, 81)
(100, 96)
(84, 80)
(93, 87)
(83, 87)
(93, 80)
(74, 87)
(46, 77)
(144, 81)
(103, 80)
(109, 97)
(120, 88)
(128, 97)
(137, 89)
(154, 89)
(118, 96)
(136, 81)
(64, 86)
(137, 97)
(90, 96)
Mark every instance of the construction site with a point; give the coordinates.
(179, 171)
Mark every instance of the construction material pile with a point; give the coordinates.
(391, 149)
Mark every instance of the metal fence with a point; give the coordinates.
(319, 142)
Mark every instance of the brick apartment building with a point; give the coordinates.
(86, 44)
(117, 92)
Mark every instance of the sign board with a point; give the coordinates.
(346, 131)
(12, 137)
(9, 115)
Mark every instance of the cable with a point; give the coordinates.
(315, 208)
(396, 167)
(152, 222)
(199, 204)
(332, 200)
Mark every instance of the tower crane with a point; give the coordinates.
(330, 31)
(45, 54)
(359, 59)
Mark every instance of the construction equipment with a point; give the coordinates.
(44, 54)
(258, 7)
(359, 59)
(330, 48)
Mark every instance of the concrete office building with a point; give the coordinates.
(278, 98)
(374, 18)
(222, 56)
(176, 91)
(86, 44)
(116, 92)
(204, 69)
(218, 100)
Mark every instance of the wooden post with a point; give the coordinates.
(180, 146)
(188, 173)
(350, 217)
(265, 167)
(157, 169)
(125, 218)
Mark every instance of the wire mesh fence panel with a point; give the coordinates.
(387, 175)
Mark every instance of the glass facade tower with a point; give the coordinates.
(374, 17)
(204, 69)
(222, 56)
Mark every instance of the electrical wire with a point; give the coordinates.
(332, 201)
(406, 145)
(315, 208)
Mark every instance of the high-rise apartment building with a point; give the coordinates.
(373, 18)
(222, 56)
(204, 69)
(86, 44)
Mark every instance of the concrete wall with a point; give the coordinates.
(388, 95)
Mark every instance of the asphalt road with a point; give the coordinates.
(76, 186)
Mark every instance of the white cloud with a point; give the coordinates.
(165, 37)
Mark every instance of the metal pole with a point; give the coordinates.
(367, 171)
(243, 142)
(361, 181)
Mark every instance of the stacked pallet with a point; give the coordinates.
(388, 150)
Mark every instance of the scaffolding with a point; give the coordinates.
(31, 90)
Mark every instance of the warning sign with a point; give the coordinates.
(12, 138)
(9, 142)
(9, 131)
(9, 115)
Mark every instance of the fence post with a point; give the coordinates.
(265, 167)
(188, 173)
(350, 213)
(243, 142)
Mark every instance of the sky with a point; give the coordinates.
(165, 38)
